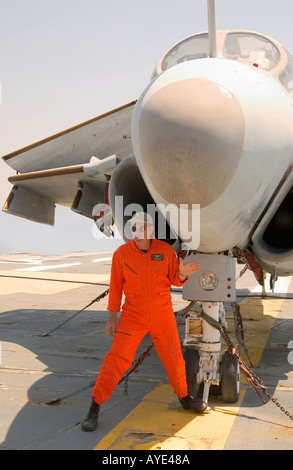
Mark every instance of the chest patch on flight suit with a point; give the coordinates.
(157, 257)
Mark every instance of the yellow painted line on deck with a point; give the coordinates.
(159, 422)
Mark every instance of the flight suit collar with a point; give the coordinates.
(153, 244)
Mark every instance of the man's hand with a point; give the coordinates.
(187, 269)
(110, 327)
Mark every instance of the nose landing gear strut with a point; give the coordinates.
(204, 366)
(214, 283)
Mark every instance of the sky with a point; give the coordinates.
(63, 62)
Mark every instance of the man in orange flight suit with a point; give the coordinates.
(144, 269)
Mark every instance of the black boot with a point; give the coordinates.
(91, 421)
(190, 403)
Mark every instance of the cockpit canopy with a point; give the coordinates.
(249, 47)
(253, 48)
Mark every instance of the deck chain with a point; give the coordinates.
(254, 381)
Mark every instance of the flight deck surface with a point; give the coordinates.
(39, 293)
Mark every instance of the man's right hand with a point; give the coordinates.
(110, 327)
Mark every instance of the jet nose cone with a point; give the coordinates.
(189, 138)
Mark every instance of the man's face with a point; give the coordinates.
(141, 231)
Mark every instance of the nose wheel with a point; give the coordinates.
(230, 378)
(191, 357)
(228, 386)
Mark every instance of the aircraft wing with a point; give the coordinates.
(60, 169)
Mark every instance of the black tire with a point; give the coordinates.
(230, 378)
(191, 357)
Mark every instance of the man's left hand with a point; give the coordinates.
(187, 269)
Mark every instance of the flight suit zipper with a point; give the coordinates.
(145, 256)
(147, 286)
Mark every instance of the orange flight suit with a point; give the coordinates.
(146, 281)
